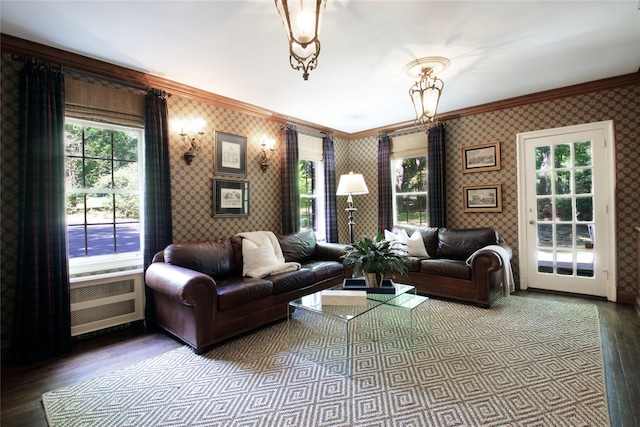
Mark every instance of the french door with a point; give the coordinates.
(566, 195)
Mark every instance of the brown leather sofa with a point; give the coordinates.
(201, 297)
(445, 272)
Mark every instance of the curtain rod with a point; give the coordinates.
(37, 61)
(307, 131)
(412, 129)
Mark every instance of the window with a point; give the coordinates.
(410, 191)
(103, 190)
(311, 187)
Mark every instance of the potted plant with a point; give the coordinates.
(375, 258)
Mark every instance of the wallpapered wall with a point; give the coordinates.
(620, 105)
(191, 185)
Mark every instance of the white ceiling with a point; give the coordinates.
(238, 49)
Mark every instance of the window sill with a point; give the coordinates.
(104, 264)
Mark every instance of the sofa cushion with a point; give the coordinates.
(236, 291)
(257, 257)
(298, 247)
(407, 245)
(446, 267)
(414, 263)
(460, 244)
(429, 236)
(215, 258)
(324, 269)
(290, 281)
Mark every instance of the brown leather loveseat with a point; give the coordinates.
(202, 298)
(444, 272)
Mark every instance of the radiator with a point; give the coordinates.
(104, 301)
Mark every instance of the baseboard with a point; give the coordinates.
(626, 298)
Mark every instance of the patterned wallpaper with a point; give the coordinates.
(620, 105)
(191, 185)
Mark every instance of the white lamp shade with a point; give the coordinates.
(353, 183)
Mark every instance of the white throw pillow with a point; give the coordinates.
(416, 245)
(254, 256)
(401, 237)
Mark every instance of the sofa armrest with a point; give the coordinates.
(330, 251)
(181, 284)
(486, 273)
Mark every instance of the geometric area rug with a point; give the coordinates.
(523, 362)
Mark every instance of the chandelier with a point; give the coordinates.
(302, 19)
(426, 91)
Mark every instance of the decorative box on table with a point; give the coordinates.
(359, 284)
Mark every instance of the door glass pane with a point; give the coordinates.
(543, 179)
(564, 263)
(545, 209)
(564, 235)
(584, 208)
(583, 237)
(562, 156)
(542, 157)
(545, 261)
(583, 183)
(563, 182)
(564, 210)
(585, 263)
(545, 235)
(583, 153)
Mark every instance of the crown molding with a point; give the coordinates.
(84, 64)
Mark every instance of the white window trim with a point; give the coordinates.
(394, 194)
(319, 195)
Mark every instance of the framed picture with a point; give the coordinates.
(481, 157)
(230, 198)
(230, 156)
(482, 198)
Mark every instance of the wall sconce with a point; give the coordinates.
(193, 144)
(268, 145)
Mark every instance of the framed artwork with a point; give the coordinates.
(230, 198)
(482, 198)
(230, 155)
(481, 157)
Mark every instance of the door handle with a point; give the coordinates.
(531, 222)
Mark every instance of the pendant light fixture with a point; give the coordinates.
(426, 91)
(302, 20)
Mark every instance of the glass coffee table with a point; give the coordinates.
(335, 335)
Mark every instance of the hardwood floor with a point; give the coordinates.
(22, 387)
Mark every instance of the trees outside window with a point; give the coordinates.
(311, 190)
(410, 191)
(103, 189)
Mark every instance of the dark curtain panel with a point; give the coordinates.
(289, 180)
(385, 193)
(157, 183)
(437, 183)
(331, 214)
(42, 319)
